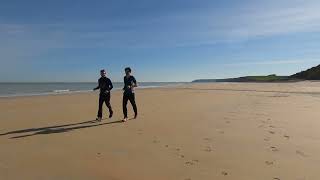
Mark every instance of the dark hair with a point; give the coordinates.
(127, 69)
(102, 71)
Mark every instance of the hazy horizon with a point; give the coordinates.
(90, 82)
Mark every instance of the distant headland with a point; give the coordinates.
(310, 74)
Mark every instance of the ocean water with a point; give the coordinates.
(32, 89)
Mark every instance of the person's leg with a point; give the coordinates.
(100, 107)
(134, 105)
(124, 105)
(107, 101)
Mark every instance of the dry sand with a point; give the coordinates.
(221, 131)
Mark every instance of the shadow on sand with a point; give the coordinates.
(56, 129)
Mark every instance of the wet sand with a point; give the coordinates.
(231, 131)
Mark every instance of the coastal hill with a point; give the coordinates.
(310, 74)
(269, 78)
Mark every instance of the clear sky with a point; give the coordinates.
(162, 40)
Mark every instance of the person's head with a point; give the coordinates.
(127, 70)
(103, 73)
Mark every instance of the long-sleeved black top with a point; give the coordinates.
(128, 83)
(105, 85)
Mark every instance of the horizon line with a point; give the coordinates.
(90, 82)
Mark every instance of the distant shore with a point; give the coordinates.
(254, 79)
(309, 74)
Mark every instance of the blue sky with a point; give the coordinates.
(167, 40)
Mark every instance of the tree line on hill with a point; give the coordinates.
(310, 74)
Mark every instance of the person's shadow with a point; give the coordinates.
(56, 129)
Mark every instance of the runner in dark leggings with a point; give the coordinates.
(105, 86)
(128, 94)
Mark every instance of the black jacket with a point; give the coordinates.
(128, 82)
(105, 85)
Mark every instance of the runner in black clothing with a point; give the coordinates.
(105, 86)
(128, 94)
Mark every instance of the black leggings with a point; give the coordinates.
(131, 98)
(104, 98)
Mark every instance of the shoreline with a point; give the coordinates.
(66, 92)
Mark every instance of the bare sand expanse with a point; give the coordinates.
(221, 131)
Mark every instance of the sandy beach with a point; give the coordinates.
(227, 131)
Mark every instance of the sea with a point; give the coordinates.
(36, 89)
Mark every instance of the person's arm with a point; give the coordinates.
(124, 84)
(134, 82)
(98, 87)
(110, 85)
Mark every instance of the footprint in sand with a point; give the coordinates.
(269, 163)
(156, 141)
(228, 122)
(272, 132)
(286, 136)
(208, 149)
(187, 179)
(276, 178)
(191, 163)
(177, 150)
(224, 173)
(271, 126)
(301, 153)
(274, 149)
(195, 160)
